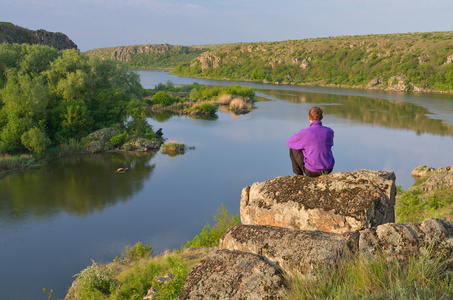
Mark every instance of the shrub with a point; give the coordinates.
(163, 99)
(203, 108)
(94, 281)
(35, 140)
(210, 235)
(172, 288)
(118, 139)
(135, 253)
(173, 146)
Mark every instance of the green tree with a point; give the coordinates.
(35, 140)
(25, 97)
(65, 94)
(11, 133)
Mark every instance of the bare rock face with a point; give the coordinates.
(293, 250)
(10, 33)
(374, 82)
(56, 40)
(339, 202)
(225, 274)
(402, 241)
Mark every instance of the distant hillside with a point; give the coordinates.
(163, 56)
(401, 62)
(10, 33)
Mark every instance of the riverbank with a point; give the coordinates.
(398, 87)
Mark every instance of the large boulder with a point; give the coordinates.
(339, 202)
(293, 250)
(225, 274)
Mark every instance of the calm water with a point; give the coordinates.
(54, 220)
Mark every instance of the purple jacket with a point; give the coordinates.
(316, 143)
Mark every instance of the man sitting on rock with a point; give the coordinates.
(311, 148)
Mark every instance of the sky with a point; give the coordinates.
(95, 24)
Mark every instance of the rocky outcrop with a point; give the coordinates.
(98, 141)
(293, 250)
(339, 202)
(225, 274)
(208, 60)
(374, 82)
(10, 33)
(142, 144)
(433, 179)
(297, 224)
(402, 241)
(56, 40)
(303, 251)
(449, 59)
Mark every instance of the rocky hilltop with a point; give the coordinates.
(395, 62)
(10, 33)
(151, 55)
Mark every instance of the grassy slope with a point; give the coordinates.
(341, 61)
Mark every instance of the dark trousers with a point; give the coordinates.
(297, 160)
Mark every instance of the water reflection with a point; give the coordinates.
(76, 185)
(164, 115)
(382, 112)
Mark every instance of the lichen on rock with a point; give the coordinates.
(339, 202)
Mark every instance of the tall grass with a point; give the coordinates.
(354, 277)
(11, 162)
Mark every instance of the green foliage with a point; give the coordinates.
(203, 108)
(135, 253)
(74, 120)
(210, 235)
(66, 94)
(94, 282)
(152, 56)
(10, 162)
(172, 289)
(423, 277)
(118, 139)
(163, 99)
(138, 125)
(346, 60)
(414, 206)
(136, 284)
(173, 146)
(35, 140)
(204, 92)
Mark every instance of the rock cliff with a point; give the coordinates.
(10, 33)
(150, 55)
(293, 224)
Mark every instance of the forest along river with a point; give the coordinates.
(53, 221)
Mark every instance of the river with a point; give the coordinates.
(54, 220)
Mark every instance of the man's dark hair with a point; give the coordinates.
(315, 113)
